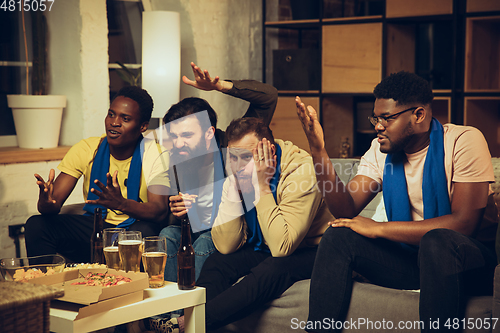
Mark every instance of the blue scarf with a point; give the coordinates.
(219, 175)
(434, 184)
(257, 239)
(100, 168)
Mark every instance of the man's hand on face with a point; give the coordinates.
(265, 165)
(110, 196)
(45, 196)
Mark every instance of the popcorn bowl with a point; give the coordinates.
(24, 269)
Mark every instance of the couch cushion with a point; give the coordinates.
(371, 306)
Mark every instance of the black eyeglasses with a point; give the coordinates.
(384, 120)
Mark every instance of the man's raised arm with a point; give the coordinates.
(343, 201)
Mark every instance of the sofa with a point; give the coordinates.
(371, 306)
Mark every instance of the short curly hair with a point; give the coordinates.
(141, 97)
(405, 88)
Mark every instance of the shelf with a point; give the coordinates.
(293, 24)
(405, 8)
(286, 124)
(351, 67)
(482, 54)
(353, 19)
(9, 155)
(441, 91)
(484, 114)
(482, 5)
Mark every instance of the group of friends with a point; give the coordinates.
(263, 218)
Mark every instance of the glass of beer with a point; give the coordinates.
(130, 250)
(154, 259)
(111, 247)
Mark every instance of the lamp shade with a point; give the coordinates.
(161, 58)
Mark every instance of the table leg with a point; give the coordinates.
(194, 319)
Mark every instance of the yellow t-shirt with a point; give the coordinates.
(79, 160)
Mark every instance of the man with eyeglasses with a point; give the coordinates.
(435, 181)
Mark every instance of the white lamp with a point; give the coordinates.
(161, 58)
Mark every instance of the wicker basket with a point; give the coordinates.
(25, 307)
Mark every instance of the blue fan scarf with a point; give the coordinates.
(100, 168)
(219, 174)
(434, 185)
(257, 239)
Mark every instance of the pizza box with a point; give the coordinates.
(86, 295)
(89, 300)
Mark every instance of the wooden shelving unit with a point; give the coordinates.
(455, 44)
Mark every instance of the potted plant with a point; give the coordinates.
(37, 117)
(131, 76)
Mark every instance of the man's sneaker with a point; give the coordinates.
(156, 321)
(170, 326)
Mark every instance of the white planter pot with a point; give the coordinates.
(37, 119)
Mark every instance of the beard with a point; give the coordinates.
(399, 144)
(246, 185)
(197, 151)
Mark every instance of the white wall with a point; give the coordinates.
(223, 36)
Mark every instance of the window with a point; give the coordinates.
(125, 40)
(12, 69)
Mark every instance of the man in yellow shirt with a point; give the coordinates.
(115, 174)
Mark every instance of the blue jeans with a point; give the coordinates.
(202, 244)
(448, 268)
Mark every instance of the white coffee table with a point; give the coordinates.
(156, 301)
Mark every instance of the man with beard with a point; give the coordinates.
(267, 234)
(192, 126)
(117, 177)
(435, 182)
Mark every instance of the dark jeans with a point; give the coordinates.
(448, 268)
(265, 279)
(69, 235)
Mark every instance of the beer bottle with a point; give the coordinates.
(185, 258)
(97, 240)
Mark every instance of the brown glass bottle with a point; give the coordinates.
(97, 240)
(185, 258)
